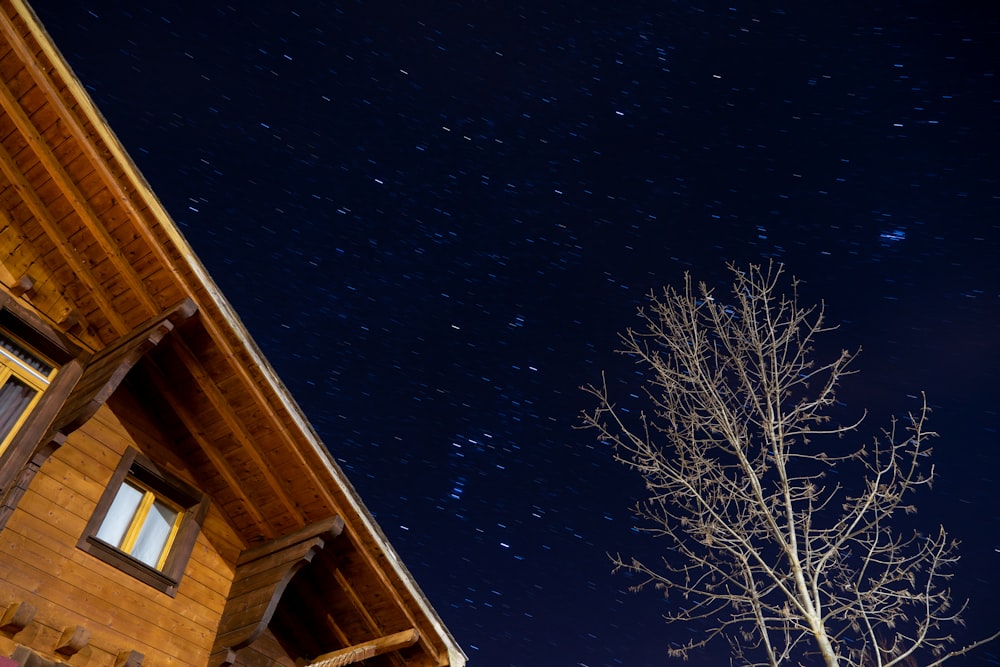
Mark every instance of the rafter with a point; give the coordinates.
(355, 599)
(215, 458)
(234, 424)
(369, 619)
(77, 200)
(359, 652)
(380, 574)
(262, 575)
(70, 255)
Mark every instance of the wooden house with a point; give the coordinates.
(163, 500)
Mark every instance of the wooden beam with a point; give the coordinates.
(76, 198)
(356, 601)
(17, 616)
(262, 574)
(73, 640)
(106, 369)
(361, 609)
(128, 658)
(382, 576)
(213, 455)
(365, 650)
(234, 424)
(335, 628)
(79, 265)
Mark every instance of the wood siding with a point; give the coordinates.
(40, 564)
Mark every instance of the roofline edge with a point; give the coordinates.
(456, 656)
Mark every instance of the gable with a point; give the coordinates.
(88, 251)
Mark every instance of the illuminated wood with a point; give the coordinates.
(234, 424)
(218, 461)
(129, 659)
(75, 583)
(109, 367)
(73, 640)
(13, 173)
(230, 353)
(262, 574)
(95, 384)
(379, 577)
(354, 654)
(72, 193)
(17, 616)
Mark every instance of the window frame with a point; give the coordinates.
(139, 518)
(192, 502)
(27, 446)
(12, 367)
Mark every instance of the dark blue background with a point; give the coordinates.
(435, 217)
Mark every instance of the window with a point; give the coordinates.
(141, 524)
(146, 523)
(24, 375)
(39, 367)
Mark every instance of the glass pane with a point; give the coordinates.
(120, 515)
(14, 398)
(14, 350)
(155, 532)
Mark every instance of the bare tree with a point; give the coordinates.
(784, 546)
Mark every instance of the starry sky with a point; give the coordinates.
(435, 217)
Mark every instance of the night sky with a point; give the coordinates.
(435, 217)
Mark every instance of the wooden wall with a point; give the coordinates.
(40, 563)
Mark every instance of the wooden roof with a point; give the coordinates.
(81, 230)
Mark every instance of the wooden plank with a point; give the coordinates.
(48, 517)
(235, 484)
(261, 579)
(226, 541)
(70, 116)
(159, 648)
(266, 573)
(28, 256)
(267, 651)
(103, 596)
(233, 424)
(44, 117)
(359, 606)
(369, 649)
(85, 490)
(59, 479)
(378, 582)
(21, 82)
(206, 579)
(13, 173)
(321, 604)
(328, 528)
(203, 586)
(65, 496)
(93, 443)
(105, 590)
